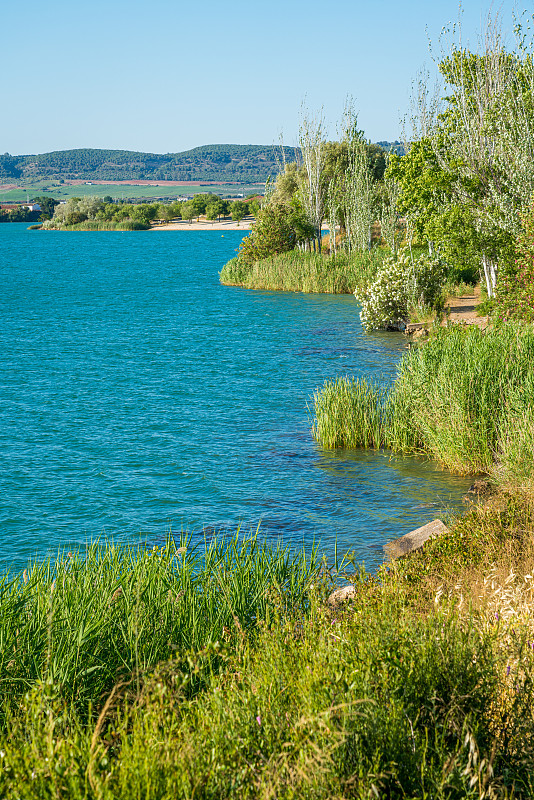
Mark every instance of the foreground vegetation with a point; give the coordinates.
(170, 674)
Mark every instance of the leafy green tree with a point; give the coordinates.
(239, 210)
(107, 212)
(176, 209)
(214, 209)
(286, 184)
(273, 233)
(483, 140)
(144, 213)
(514, 295)
(254, 206)
(188, 210)
(200, 201)
(75, 217)
(166, 212)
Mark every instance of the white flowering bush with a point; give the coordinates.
(401, 284)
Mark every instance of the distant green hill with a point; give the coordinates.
(235, 163)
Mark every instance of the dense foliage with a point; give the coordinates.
(515, 289)
(19, 214)
(466, 181)
(273, 233)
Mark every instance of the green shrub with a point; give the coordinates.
(273, 233)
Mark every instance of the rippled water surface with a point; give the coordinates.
(137, 394)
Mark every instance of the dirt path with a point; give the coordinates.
(463, 309)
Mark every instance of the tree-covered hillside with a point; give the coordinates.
(234, 163)
(216, 162)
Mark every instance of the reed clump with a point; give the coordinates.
(301, 271)
(458, 398)
(350, 412)
(103, 225)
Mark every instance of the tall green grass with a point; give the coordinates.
(298, 271)
(83, 623)
(457, 398)
(350, 413)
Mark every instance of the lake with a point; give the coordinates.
(138, 395)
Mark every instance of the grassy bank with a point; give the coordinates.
(227, 675)
(298, 271)
(465, 398)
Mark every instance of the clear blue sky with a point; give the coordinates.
(169, 75)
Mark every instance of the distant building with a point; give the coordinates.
(18, 206)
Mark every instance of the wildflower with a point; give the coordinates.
(258, 720)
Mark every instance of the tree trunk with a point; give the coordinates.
(489, 286)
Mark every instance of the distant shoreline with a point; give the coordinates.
(224, 225)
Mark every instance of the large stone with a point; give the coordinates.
(415, 539)
(342, 595)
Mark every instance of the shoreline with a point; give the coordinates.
(228, 225)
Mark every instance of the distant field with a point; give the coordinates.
(26, 191)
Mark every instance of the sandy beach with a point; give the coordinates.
(204, 225)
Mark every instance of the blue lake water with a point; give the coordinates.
(138, 395)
